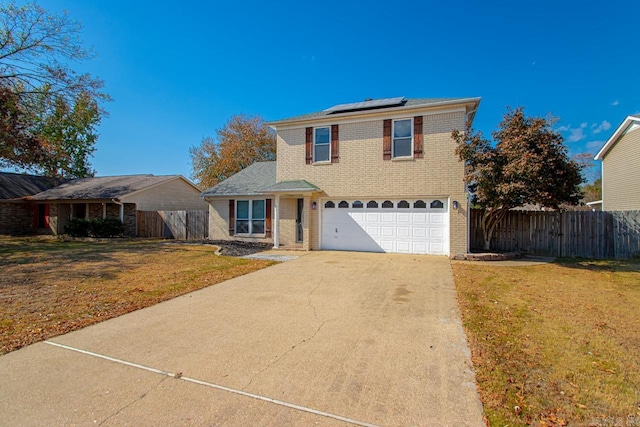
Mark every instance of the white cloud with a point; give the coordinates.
(564, 128)
(594, 146)
(576, 135)
(597, 128)
(615, 103)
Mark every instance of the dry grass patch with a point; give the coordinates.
(48, 287)
(555, 344)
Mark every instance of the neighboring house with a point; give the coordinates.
(18, 215)
(379, 175)
(620, 157)
(117, 197)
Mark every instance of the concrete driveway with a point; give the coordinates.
(331, 338)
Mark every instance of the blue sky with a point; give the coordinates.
(178, 71)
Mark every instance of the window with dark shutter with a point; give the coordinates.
(334, 144)
(309, 146)
(417, 137)
(386, 140)
(232, 216)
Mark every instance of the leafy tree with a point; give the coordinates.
(242, 141)
(592, 191)
(40, 92)
(527, 164)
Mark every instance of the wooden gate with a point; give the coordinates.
(180, 225)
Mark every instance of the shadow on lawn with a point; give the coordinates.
(28, 260)
(610, 265)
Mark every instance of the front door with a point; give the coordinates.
(299, 229)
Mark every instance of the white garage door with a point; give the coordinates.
(416, 226)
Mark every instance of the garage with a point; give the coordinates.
(416, 226)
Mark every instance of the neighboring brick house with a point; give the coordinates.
(18, 215)
(379, 175)
(117, 197)
(620, 157)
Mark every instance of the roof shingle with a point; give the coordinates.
(248, 182)
(16, 186)
(105, 187)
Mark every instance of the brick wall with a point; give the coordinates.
(361, 171)
(16, 218)
(130, 220)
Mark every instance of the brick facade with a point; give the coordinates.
(16, 218)
(362, 172)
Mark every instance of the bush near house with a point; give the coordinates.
(108, 227)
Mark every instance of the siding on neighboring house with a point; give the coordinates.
(171, 196)
(362, 171)
(620, 177)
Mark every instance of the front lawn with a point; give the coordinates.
(49, 287)
(554, 344)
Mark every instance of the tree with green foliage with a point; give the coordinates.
(48, 113)
(527, 164)
(241, 142)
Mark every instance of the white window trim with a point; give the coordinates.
(314, 144)
(250, 218)
(393, 131)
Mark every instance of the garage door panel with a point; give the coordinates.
(403, 218)
(420, 232)
(386, 231)
(388, 217)
(405, 230)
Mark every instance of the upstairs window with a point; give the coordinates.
(402, 144)
(322, 144)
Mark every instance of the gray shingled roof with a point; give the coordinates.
(105, 187)
(248, 182)
(299, 185)
(408, 103)
(16, 186)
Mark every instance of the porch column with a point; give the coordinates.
(104, 210)
(306, 223)
(276, 222)
(122, 212)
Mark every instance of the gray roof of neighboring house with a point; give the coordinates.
(104, 187)
(248, 182)
(17, 186)
(406, 103)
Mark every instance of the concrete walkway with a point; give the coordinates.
(330, 338)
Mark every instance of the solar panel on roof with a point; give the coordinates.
(366, 105)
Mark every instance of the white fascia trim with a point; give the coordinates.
(616, 135)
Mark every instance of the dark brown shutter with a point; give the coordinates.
(309, 145)
(417, 137)
(232, 217)
(267, 222)
(335, 138)
(386, 140)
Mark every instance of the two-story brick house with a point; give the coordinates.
(379, 175)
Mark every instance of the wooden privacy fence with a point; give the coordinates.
(583, 234)
(181, 225)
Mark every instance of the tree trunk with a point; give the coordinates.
(490, 220)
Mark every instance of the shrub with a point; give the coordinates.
(108, 227)
(77, 227)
